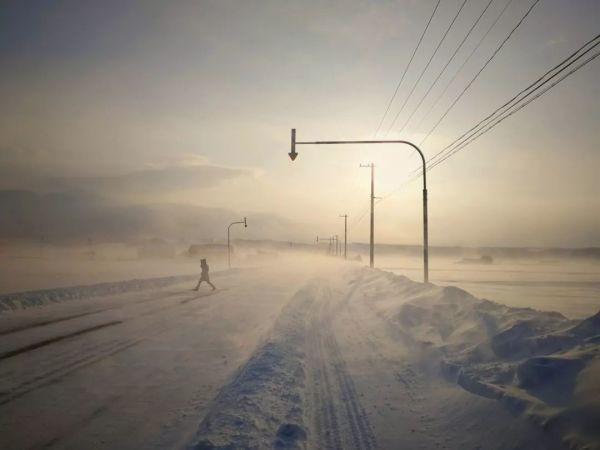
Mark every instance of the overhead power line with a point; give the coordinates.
(360, 217)
(485, 35)
(426, 66)
(387, 109)
(523, 94)
(518, 108)
(416, 108)
(519, 101)
(506, 39)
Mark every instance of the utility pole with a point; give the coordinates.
(372, 234)
(337, 246)
(228, 240)
(345, 216)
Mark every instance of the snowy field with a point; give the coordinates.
(569, 286)
(302, 353)
(25, 269)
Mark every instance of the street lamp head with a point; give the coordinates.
(293, 154)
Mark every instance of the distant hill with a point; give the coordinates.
(77, 216)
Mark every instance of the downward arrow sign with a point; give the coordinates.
(293, 153)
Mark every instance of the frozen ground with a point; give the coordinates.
(569, 286)
(302, 354)
(24, 272)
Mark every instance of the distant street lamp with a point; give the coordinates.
(293, 154)
(229, 242)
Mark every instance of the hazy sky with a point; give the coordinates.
(199, 97)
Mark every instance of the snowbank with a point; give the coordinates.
(537, 363)
(23, 300)
(262, 407)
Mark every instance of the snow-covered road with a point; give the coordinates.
(320, 355)
(132, 370)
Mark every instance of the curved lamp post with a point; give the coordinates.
(293, 154)
(228, 241)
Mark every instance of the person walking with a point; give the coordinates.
(204, 276)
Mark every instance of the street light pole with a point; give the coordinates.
(293, 154)
(372, 233)
(228, 239)
(345, 216)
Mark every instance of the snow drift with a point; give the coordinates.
(262, 407)
(537, 363)
(29, 299)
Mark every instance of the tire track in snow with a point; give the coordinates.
(56, 375)
(67, 362)
(325, 417)
(82, 422)
(44, 323)
(76, 333)
(334, 387)
(364, 436)
(45, 342)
